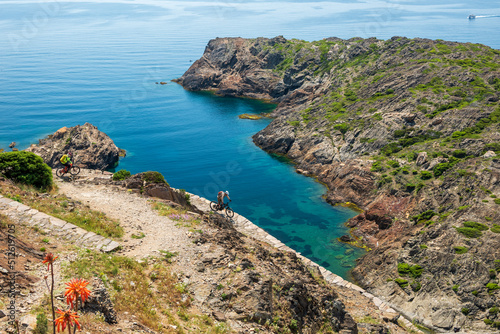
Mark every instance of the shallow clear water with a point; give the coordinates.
(67, 63)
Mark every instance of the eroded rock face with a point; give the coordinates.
(91, 148)
(268, 282)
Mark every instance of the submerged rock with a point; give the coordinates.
(250, 116)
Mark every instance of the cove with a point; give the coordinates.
(210, 149)
(81, 68)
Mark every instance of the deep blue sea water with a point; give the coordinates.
(64, 63)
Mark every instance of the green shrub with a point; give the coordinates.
(343, 127)
(422, 246)
(475, 292)
(377, 167)
(424, 216)
(425, 175)
(476, 225)
(26, 167)
(154, 177)
(415, 286)
(494, 310)
(401, 282)
(122, 174)
(41, 324)
(493, 273)
(405, 269)
(410, 187)
(497, 200)
(488, 321)
(495, 228)
(465, 310)
(393, 164)
(439, 169)
(460, 249)
(455, 288)
(492, 147)
(412, 156)
(469, 232)
(459, 154)
(492, 286)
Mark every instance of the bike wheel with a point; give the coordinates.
(229, 212)
(59, 172)
(214, 206)
(75, 170)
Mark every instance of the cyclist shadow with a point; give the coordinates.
(66, 177)
(222, 214)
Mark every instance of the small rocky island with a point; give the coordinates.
(406, 129)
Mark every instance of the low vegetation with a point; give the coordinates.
(122, 174)
(27, 168)
(63, 208)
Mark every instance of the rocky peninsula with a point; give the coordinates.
(408, 131)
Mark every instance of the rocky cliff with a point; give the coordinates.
(406, 129)
(91, 148)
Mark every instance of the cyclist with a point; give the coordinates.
(66, 161)
(220, 197)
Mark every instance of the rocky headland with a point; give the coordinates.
(408, 131)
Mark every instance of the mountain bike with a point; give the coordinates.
(73, 170)
(225, 206)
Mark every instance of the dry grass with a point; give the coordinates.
(180, 215)
(148, 290)
(61, 207)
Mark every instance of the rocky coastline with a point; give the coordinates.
(407, 130)
(238, 274)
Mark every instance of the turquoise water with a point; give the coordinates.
(67, 63)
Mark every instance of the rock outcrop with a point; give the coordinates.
(406, 129)
(272, 286)
(153, 184)
(91, 148)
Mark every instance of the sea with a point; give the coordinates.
(64, 63)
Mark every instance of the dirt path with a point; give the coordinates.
(136, 216)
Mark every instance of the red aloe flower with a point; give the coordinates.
(49, 259)
(76, 288)
(67, 318)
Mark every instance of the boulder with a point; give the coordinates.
(421, 158)
(489, 154)
(345, 238)
(99, 301)
(91, 148)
